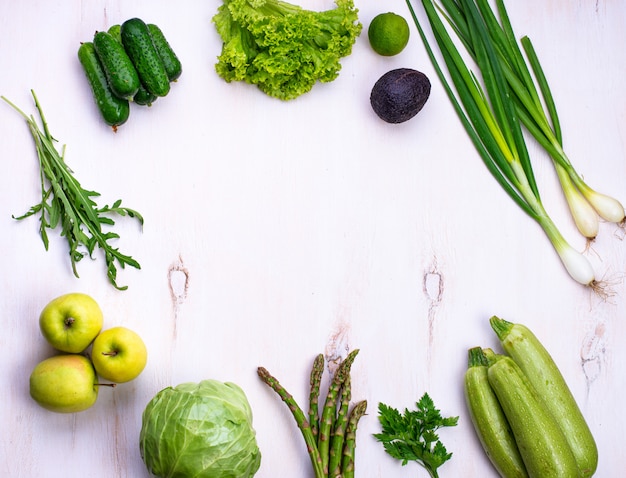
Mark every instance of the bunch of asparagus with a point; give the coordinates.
(330, 437)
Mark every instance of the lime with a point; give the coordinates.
(388, 34)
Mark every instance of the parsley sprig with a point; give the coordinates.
(412, 436)
(64, 202)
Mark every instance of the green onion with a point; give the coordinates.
(609, 208)
(543, 123)
(490, 114)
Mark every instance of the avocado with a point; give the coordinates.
(400, 94)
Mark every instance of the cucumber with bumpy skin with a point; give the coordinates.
(490, 423)
(116, 32)
(114, 110)
(537, 364)
(171, 62)
(138, 44)
(120, 71)
(142, 97)
(541, 442)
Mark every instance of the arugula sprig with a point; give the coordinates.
(64, 202)
(412, 436)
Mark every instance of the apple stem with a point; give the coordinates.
(112, 385)
(110, 354)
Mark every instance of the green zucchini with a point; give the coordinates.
(138, 43)
(489, 421)
(490, 355)
(537, 364)
(541, 442)
(114, 110)
(171, 62)
(119, 70)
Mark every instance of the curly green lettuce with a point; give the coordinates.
(283, 48)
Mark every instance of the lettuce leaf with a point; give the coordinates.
(282, 48)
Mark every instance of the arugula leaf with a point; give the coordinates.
(411, 436)
(64, 202)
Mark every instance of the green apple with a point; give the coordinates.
(64, 383)
(119, 354)
(71, 322)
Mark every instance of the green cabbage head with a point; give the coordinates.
(199, 430)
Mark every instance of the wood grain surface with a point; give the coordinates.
(275, 231)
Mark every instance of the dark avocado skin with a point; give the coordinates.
(400, 94)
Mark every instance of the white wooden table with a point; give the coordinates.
(278, 230)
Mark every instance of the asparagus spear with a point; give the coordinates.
(300, 417)
(329, 410)
(316, 378)
(349, 449)
(335, 418)
(337, 439)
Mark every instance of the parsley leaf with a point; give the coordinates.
(411, 436)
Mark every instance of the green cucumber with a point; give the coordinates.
(116, 32)
(144, 97)
(171, 62)
(114, 110)
(537, 364)
(541, 442)
(489, 421)
(138, 43)
(119, 70)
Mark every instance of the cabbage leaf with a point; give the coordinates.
(200, 430)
